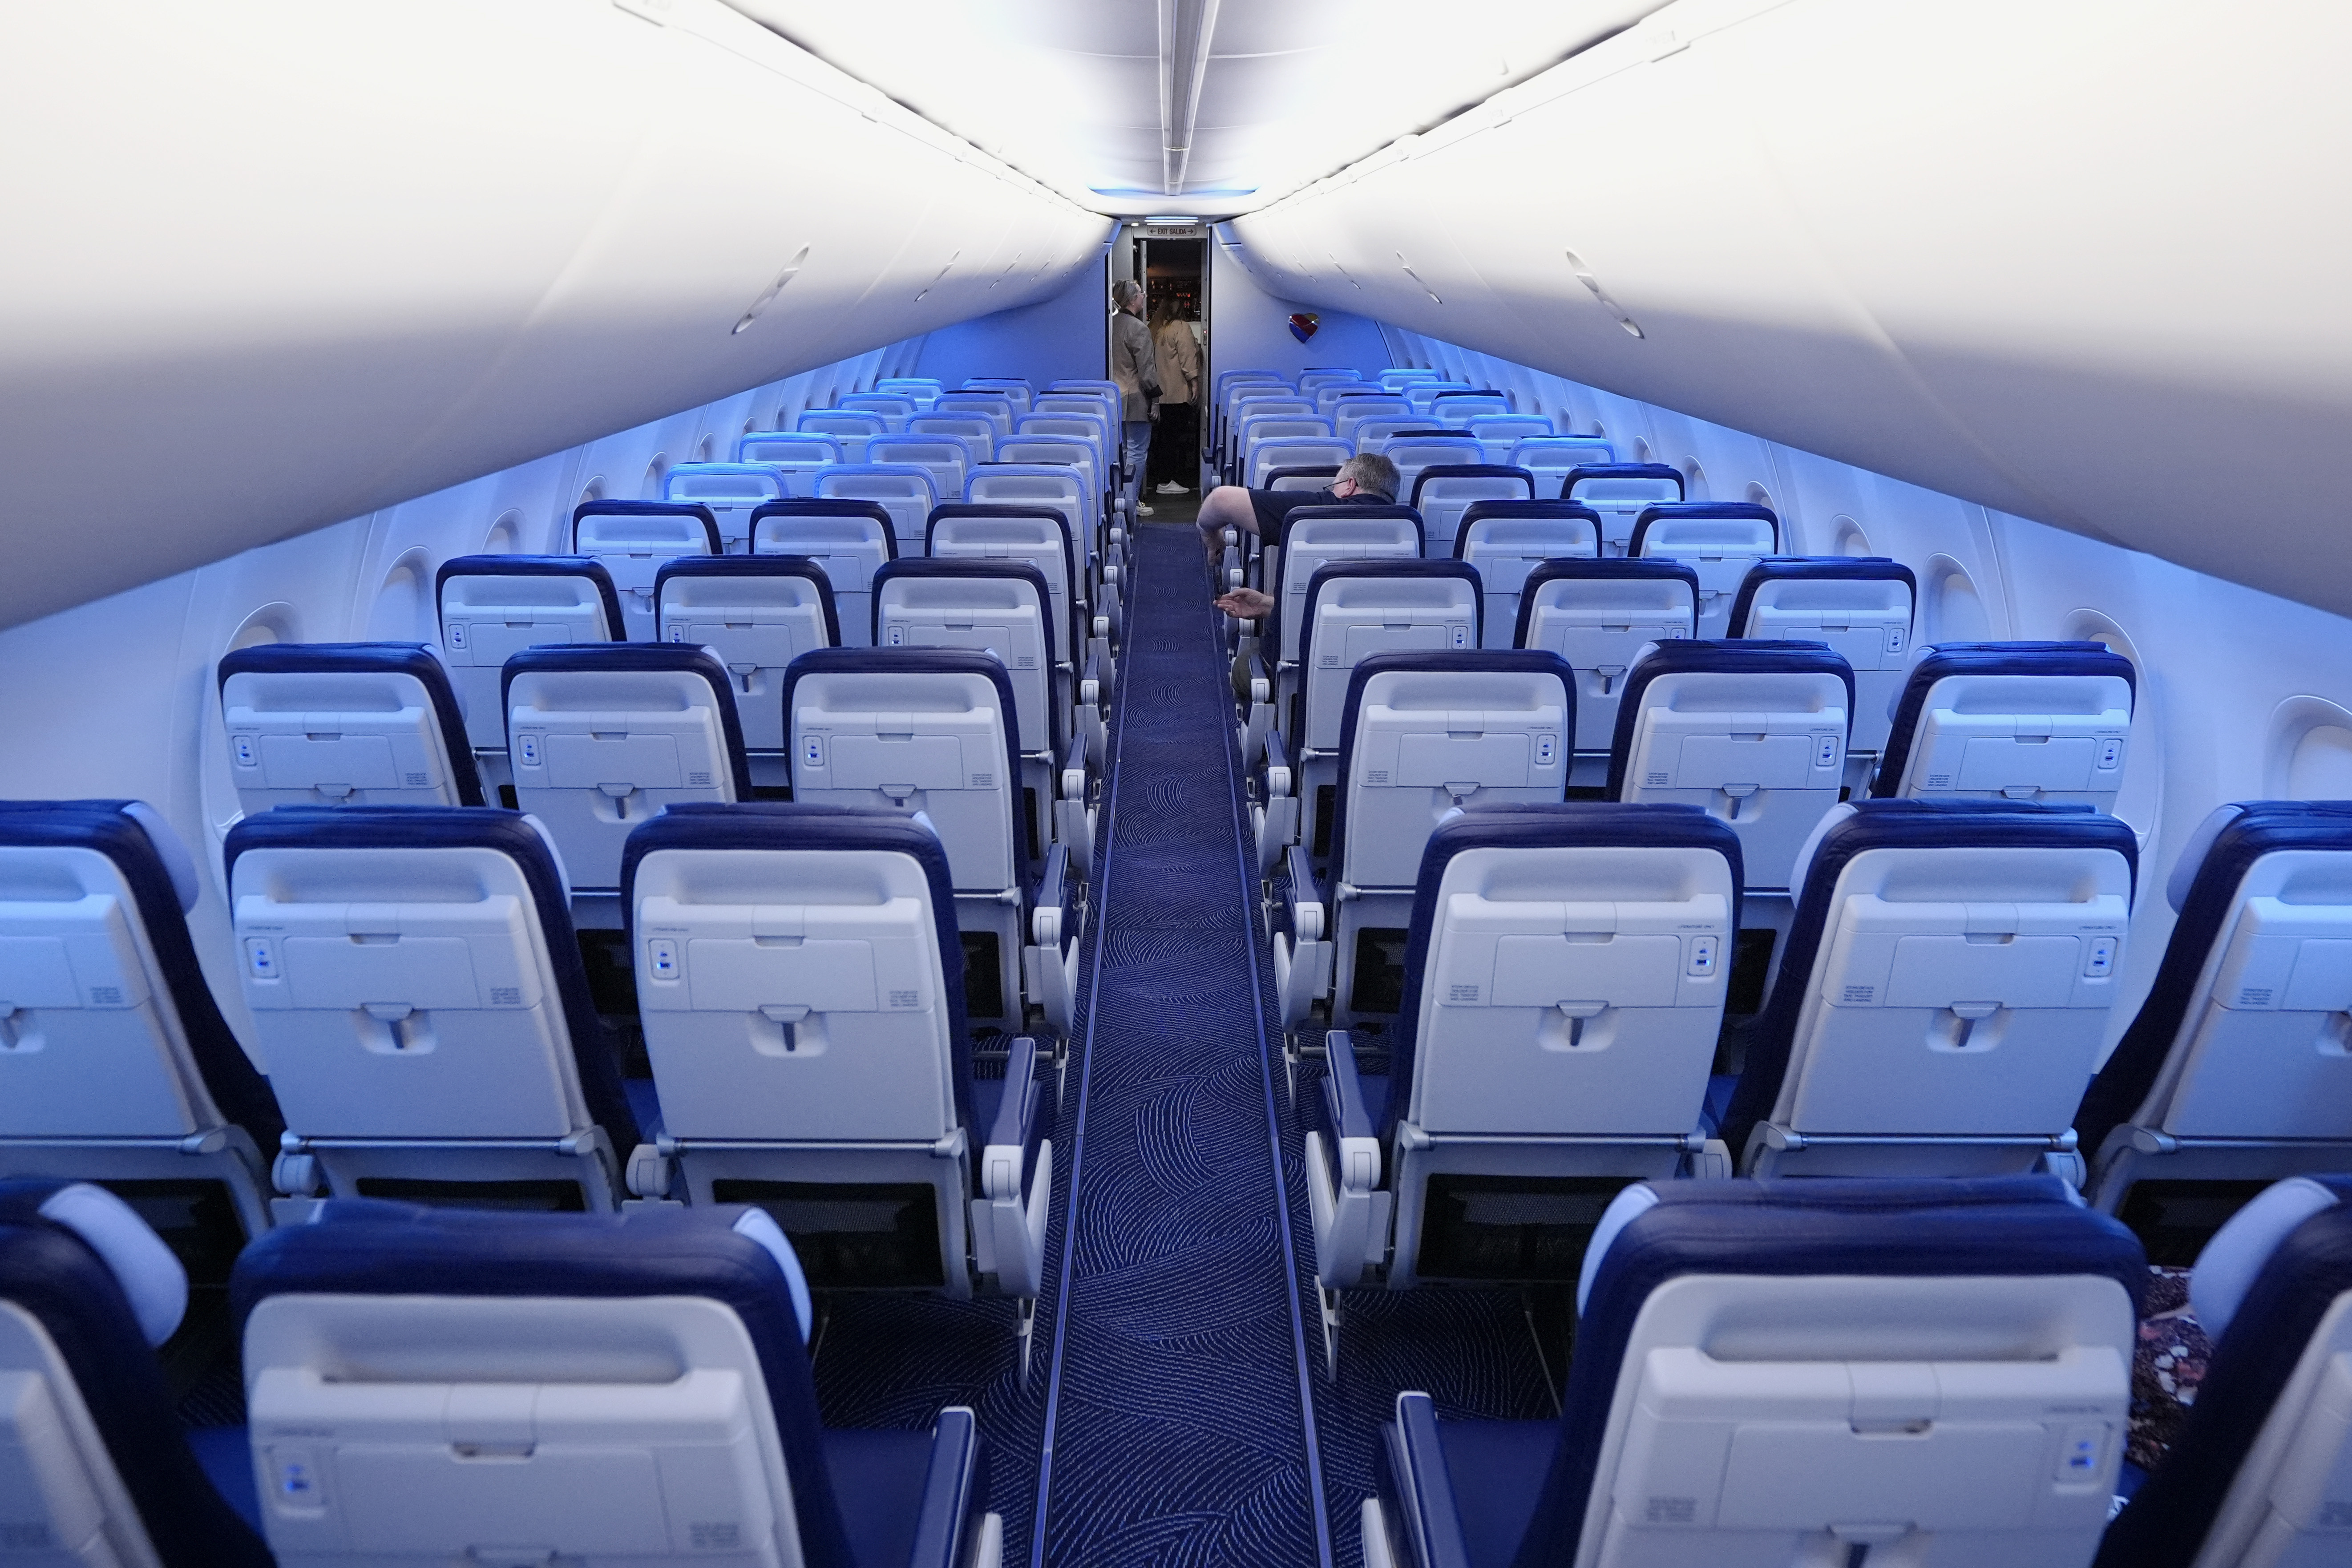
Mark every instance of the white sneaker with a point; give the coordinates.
(1170, 489)
(1142, 509)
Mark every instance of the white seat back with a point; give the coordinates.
(1620, 501)
(1866, 619)
(1572, 991)
(1031, 541)
(905, 489)
(1309, 543)
(999, 615)
(850, 550)
(1721, 550)
(2049, 738)
(632, 547)
(1054, 485)
(997, 409)
(755, 623)
(1292, 452)
(1599, 623)
(489, 616)
(853, 428)
(1411, 454)
(967, 424)
(599, 748)
(1462, 410)
(794, 454)
(1501, 432)
(895, 408)
(732, 491)
(924, 390)
(913, 740)
(1013, 390)
(1504, 548)
(1074, 452)
(1421, 395)
(341, 732)
(1756, 740)
(1552, 459)
(1348, 414)
(1428, 740)
(949, 458)
(1369, 608)
(1442, 498)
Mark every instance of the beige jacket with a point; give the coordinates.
(1134, 366)
(1179, 362)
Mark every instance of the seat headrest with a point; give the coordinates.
(695, 509)
(2242, 1248)
(151, 1279)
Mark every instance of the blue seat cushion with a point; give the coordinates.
(1496, 1470)
(594, 1057)
(225, 1453)
(877, 1480)
(1988, 1226)
(1889, 825)
(370, 1247)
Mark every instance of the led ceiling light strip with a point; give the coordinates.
(1184, 29)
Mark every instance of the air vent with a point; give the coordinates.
(768, 296)
(1416, 278)
(941, 278)
(1584, 276)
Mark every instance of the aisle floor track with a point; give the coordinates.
(1179, 1428)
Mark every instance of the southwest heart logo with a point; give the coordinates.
(1303, 325)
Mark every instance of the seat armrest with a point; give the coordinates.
(1275, 776)
(1261, 681)
(1074, 770)
(1355, 1151)
(1433, 1516)
(1347, 1091)
(1303, 904)
(1011, 1140)
(952, 1488)
(1052, 906)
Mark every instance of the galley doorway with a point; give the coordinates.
(1175, 305)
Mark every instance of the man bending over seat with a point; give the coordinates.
(1367, 479)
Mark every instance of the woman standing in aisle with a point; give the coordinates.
(1175, 446)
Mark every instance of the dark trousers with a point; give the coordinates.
(1176, 444)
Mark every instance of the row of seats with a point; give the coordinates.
(430, 1385)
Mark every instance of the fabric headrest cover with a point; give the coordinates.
(1630, 1204)
(759, 1225)
(152, 1280)
(178, 864)
(2193, 853)
(2241, 1250)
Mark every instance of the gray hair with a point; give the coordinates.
(1125, 292)
(1372, 472)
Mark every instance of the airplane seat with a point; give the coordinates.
(935, 731)
(1621, 492)
(1862, 607)
(419, 994)
(1037, 534)
(1753, 733)
(1802, 1373)
(905, 491)
(853, 428)
(831, 1080)
(115, 1062)
(1315, 536)
(895, 407)
(1942, 993)
(754, 614)
(1252, 402)
(633, 540)
(1413, 451)
(1424, 736)
(922, 390)
(1441, 491)
(1274, 454)
(1353, 408)
(2044, 722)
(1552, 459)
(1505, 540)
(100, 1468)
(948, 457)
(1457, 408)
(1012, 388)
(602, 738)
(344, 723)
(1077, 452)
(1315, 381)
(1721, 541)
(431, 1386)
(995, 408)
(1093, 578)
(1002, 608)
(1374, 433)
(1599, 615)
(2256, 1473)
(1421, 395)
(1564, 975)
(1398, 376)
(849, 540)
(492, 606)
(2233, 1073)
(975, 430)
(798, 454)
(1502, 433)
(730, 492)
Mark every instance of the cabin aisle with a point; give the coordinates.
(1178, 1423)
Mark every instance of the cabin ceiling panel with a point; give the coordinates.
(2059, 261)
(366, 253)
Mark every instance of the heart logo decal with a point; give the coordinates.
(1303, 325)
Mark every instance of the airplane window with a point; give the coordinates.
(506, 534)
(1847, 537)
(593, 491)
(279, 622)
(1954, 611)
(655, 470)
(1694, 480)
(403, 610)
(702, 450)
(2310, 751)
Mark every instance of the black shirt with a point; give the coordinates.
(1274, 506)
